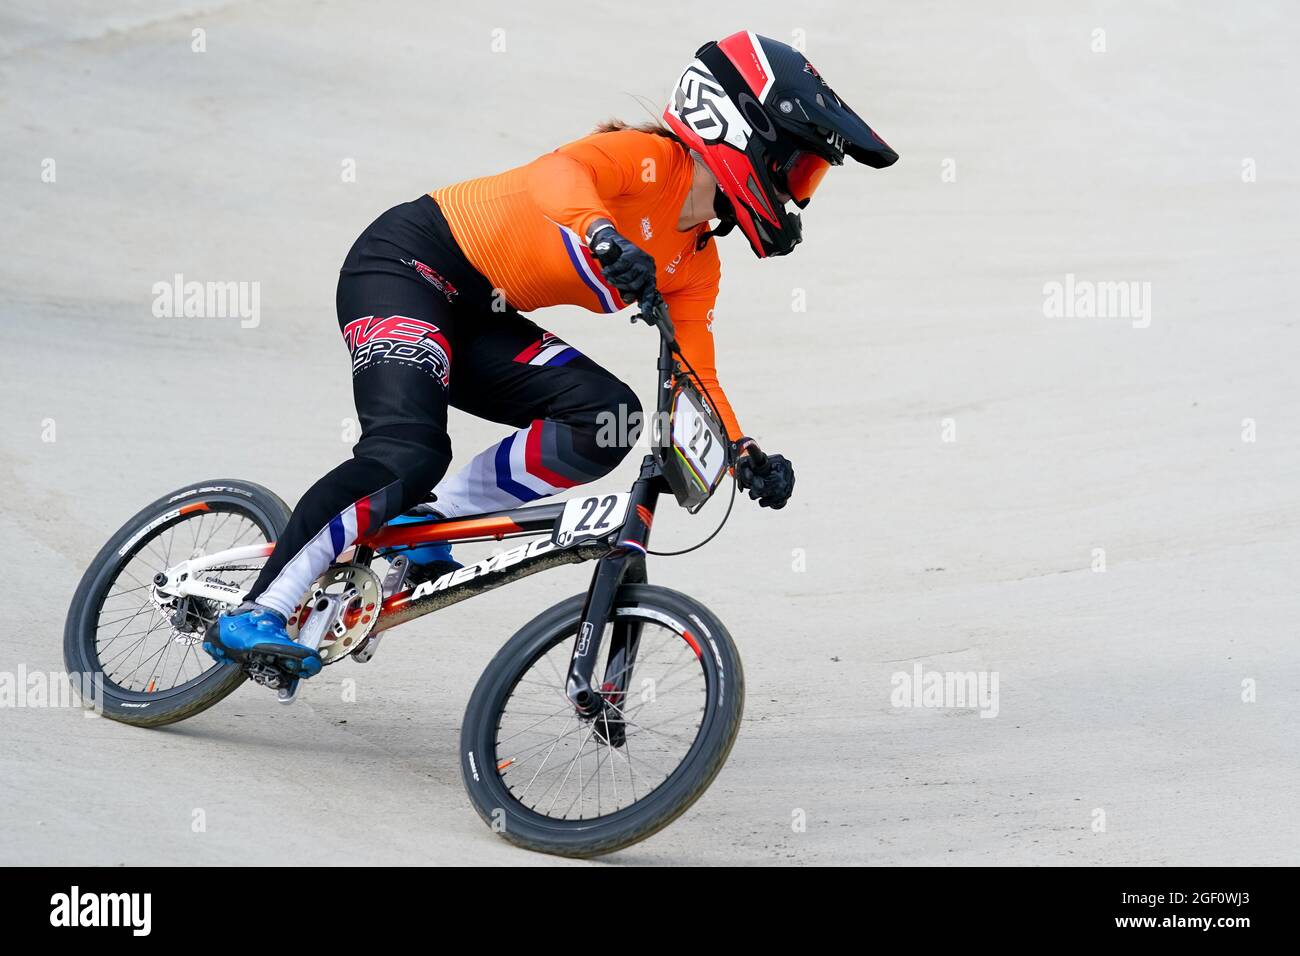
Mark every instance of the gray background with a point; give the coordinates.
(1120, 691)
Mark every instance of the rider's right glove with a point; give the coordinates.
(628, 267)
(772, 482)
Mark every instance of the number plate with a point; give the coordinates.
(592, 517)
(698, 441)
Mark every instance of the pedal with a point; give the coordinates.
(266, 675)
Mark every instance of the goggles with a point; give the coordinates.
(801, 174)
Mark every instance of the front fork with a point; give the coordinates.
(624, 564)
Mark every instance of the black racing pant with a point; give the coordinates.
(425, 330)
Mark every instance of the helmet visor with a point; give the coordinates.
(803, 173)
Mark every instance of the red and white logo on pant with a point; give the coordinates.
(375, 339)
(434, 278)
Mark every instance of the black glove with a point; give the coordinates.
(771, 483)
(629, 268)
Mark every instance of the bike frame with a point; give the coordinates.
(620, 555)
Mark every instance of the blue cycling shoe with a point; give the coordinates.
(428, 562)
(255, 637)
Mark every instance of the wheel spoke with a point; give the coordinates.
(134, 645)
(559, 764)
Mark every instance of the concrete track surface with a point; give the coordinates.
(966, 462)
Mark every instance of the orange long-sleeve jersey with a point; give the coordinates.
(523, 229)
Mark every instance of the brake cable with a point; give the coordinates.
(730, 503)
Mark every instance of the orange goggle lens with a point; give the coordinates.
(804, 174)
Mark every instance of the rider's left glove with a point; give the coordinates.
(771, 484)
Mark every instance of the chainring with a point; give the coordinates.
(360, 611)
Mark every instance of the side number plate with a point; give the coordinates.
(592, 517)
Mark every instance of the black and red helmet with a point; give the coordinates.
(766, 124)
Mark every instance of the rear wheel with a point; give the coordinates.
(140, 658)
(549, 780)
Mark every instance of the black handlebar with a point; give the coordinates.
(653, 311)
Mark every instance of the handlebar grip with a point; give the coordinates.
(756, 454)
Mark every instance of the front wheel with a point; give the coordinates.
(549, 780)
